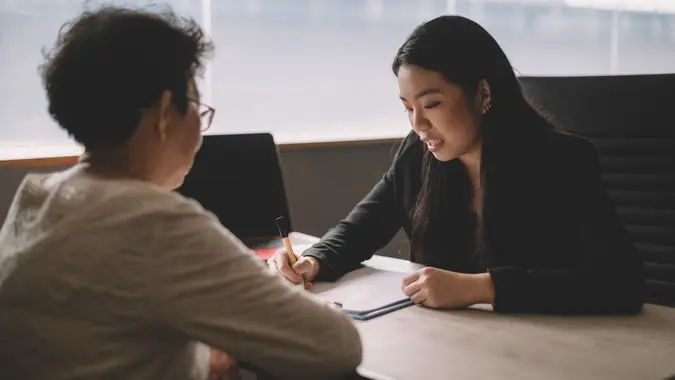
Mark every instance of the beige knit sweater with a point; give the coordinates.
(105, 279)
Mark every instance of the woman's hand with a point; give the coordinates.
(221, 365)
(440, 289)
(305, 268)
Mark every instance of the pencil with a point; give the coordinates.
(282, 226)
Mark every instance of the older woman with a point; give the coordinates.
(107, 273)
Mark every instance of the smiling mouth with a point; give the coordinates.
(433, 145)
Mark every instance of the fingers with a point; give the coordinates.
(220, 363)
(272, 265)
(279, 263)
(303, 267)
(419, 297)
(413, 288)
(412, 277)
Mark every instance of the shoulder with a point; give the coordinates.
(127, 205)
(562, 150)
(140, 198)
(408, 143)
(572, 144)
(170, 221)
(411, 143)
(409, 150)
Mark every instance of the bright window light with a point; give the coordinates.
(320, 70)
(659, 6)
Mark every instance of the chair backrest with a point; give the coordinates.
(630, 120)
(238, 178)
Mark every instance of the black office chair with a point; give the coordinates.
(238, 177)
(630, 120)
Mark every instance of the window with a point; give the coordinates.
(317, 70)
(26, 28)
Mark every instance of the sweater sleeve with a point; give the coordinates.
(370, 225)
(208, 286)
(608, 276)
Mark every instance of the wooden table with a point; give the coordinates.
(419, 343)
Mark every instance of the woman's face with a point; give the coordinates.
(439, 113)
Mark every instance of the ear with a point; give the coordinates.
(164, 113)
(483, 97)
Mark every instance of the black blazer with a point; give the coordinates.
(564, 248)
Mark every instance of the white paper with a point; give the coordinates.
(362, 289)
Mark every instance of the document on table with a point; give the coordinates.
(365, 293)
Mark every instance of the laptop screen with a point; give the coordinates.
(239, 179)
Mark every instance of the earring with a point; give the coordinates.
(486, 108)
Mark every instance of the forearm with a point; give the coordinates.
(566, 291)
(334, 256)
(298, 339)
(213, 290)
(369, 226)
(352, 242)
(481, 289)
(272, 326)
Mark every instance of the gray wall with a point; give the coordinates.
(322, 185)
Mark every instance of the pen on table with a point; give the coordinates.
(283, 227)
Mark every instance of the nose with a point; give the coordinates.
(418, 121)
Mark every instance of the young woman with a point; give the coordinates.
(499, 206)
(104, 271)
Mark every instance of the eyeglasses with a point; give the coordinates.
(206, 114)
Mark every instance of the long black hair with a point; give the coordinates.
(465, 53)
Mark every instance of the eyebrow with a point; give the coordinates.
(426, 92)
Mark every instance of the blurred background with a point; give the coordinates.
(319, 70)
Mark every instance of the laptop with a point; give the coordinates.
(238, 178)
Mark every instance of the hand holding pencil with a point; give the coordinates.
(297, 270)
